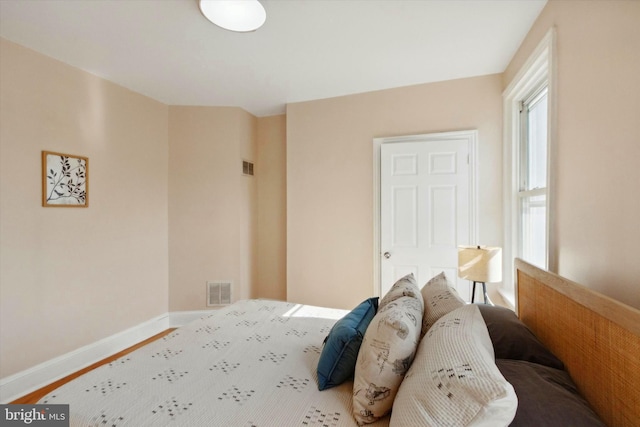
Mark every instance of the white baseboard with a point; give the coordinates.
(29, 380)
(179, 318)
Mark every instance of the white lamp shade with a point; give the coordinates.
(480, 264)
(234, 15)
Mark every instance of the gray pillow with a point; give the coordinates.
(547, 397)
(512, 339)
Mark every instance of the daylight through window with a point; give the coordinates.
(532, 194)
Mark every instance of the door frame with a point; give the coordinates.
(472, 143)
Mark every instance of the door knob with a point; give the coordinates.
(387, 255)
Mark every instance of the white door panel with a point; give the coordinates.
(404, 216)
(425, 208)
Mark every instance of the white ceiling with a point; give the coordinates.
(307, 49)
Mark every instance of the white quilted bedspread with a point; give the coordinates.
(250, 364)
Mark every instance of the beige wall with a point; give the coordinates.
(212, 206)
(70, 277)
(272, 204)
(598, 141)
(248, 205)
(330, 177)
(127, 247)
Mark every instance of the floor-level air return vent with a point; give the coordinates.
(247, 168)
(218, 293)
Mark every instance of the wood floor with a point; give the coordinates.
(33, 397)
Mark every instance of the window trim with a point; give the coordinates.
(538, 70)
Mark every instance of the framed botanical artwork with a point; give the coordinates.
(65, 180)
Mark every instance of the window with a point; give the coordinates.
(532, 192)
(529, 117)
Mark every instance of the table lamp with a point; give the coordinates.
(480, 264)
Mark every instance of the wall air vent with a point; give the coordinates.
(247, 168)
(218, 293)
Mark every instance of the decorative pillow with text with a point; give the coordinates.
(405, 286)
(386, 353)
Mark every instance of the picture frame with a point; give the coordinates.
(65, 180)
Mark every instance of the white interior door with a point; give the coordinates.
(425, 208)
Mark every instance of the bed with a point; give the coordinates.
(261, 363)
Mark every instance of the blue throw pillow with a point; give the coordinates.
(338, 359)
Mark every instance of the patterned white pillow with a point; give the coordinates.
(386, 353)
(454, 379)
(405, 286)
(439, 299)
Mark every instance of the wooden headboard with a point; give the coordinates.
(596, 337)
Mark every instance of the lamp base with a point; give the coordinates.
(484, 292)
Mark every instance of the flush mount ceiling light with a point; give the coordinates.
(234, 15)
